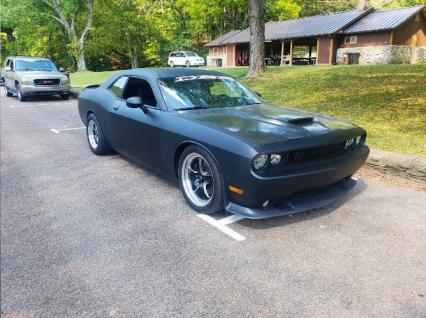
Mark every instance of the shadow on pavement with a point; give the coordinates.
(262, 224)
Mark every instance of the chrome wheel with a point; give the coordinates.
(92, 133)
(197, 179)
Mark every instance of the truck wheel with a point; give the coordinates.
(65, 96)
(7, 92)
(172, 64)
(21, 97)
(187, 64)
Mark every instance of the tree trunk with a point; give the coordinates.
(257, 37)
(81, 62)
(135, 59)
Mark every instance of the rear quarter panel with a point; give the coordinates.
(98, 101)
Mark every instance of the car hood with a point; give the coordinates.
(41, 75)
(265, 124)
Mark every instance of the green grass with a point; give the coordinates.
(389, 101)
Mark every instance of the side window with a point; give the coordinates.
(118, 86)
(11, 65)
(172, 54)
(140, 87)
(7, 63)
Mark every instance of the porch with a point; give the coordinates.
(285, 52)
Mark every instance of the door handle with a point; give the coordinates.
(115, 107)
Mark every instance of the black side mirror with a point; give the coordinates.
(136, 102)
(61, 69)
(258, 94)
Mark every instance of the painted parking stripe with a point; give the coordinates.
(57, 131)
(221, 225)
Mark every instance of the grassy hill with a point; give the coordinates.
(388, 100)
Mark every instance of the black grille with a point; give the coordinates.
(318, 153)
(47, 82)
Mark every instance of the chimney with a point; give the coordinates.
(363, 4)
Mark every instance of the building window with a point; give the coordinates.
(351, 39)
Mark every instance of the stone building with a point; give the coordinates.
(363, 36)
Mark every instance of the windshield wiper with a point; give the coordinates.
(190, 108)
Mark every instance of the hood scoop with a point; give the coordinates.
(301, 120)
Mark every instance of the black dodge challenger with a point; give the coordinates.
(227, 148)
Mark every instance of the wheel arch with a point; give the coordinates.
(180, 149)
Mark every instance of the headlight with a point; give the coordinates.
(260, 161)
(65, 81)
(275, 159)
(27, 81)
(358, 140)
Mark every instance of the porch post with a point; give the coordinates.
(282, 53)
(291, 52)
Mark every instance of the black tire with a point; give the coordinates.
(21, 96)
(65, 96)
(187, 64)
(172, 64)
(216, 203)
(99, 145)
(7, 92)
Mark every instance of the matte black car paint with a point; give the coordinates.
(233, 136)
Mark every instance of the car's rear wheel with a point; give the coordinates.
(172, 64)
(200, 180)
(187, 64)
(95, 137)
(65, 96)
(21, 96)
(7, 92)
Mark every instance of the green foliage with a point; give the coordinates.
(388, 4)
(388, 100)
(130, 33)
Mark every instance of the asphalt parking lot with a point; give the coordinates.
(87, 236)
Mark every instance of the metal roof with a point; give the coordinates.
(304, 27)
(348, 22)
(384, 20)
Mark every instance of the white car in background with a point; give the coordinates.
(185, 58)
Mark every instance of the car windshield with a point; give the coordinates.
(190, 53)
(35, 65)
(205, 91)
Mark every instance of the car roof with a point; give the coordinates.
(155, 73)
(24, 57)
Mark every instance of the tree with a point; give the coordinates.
(69, 16)
(257, 37)
(314, 7)
(387, 4)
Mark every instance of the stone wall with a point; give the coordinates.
(385, 54)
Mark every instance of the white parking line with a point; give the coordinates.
(221, 225)
(57, 131)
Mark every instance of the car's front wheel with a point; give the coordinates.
(21, 96)
(7, 92)
(172, 64)
(187, 64)
(95, 137)
(65, 96)
(200, 181)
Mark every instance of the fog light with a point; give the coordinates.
(275, 159)
(265, 204)
(260, 161)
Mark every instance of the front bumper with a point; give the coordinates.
(308, 187)
(306, 203)
(45, 90)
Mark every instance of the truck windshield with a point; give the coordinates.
(205, 91)
(35, 65)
